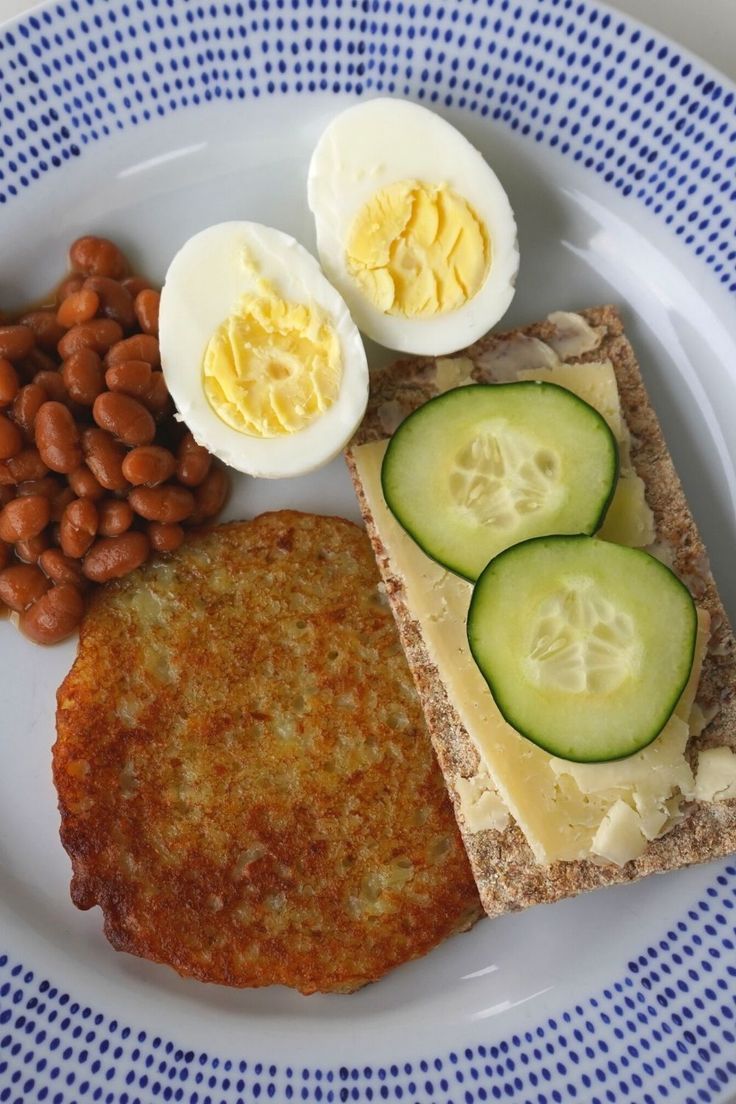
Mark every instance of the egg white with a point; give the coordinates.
(379, 142)
(204, 284)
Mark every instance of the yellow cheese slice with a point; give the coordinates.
(629, 519)
(619, 837)
(716, 775)
(593, 382)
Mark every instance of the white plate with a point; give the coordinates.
(626, 994)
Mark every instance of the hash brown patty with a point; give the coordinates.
(246, 784)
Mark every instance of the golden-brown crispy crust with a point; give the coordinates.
(507, 875)
(245, 781)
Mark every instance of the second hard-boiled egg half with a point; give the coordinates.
(259, 351)
(413, 227)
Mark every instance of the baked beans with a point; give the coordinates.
(80, 306)
(115, 301)
(95, 473)
(9, 383)
(78, 527)
(22, 584)
(97, 257)
(149, 465)
(26, 406)
(83, 378)
(30, 551)
(54, 616)
(115, 516)
(62, 569)
(168, 504)
(24, 517)
(98, 335)
(47, 331)
(57, 438)
(16, 342)
(104, 457)
(193, 462)
(146, 310)
(11, 438)
(132, 377)
(165, 537)
(113, 557)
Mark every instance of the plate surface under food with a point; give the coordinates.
(146, 122)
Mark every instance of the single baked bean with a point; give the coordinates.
(52, 383)
(62, 569)
(9, 383)
(27, 465)
(169, 504)
(47, 330)
(54, 616)
(98, 335)
(163, 537)
(135, 284)
(80, 306)
(138, 347)
(132, 377)
(68, 286)
(193, 462)
(146, 310)
(85, 484)
(113, 557)
(157, 398)
(21, 584)
(115, 517)
(124, 417)
(115, 301)
(16, 342)
(24, 518)
(11, 438)
(47, 486)
(149, 465)
(79, 524)
(57, 438)
(210, 495)
(26, 406)
(30, 551)
(59, 504)
(82, 375)
(97, 257)
(104, 456)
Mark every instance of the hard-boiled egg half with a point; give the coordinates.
(259, 351)
(413, 227)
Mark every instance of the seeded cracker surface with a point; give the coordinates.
(507, 875)
(246, 784)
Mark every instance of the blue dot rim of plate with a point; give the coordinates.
(655, 125)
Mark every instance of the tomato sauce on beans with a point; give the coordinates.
(95, 472)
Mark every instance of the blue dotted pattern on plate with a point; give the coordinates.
(658, 130)
(626, 106)
(667, 1031)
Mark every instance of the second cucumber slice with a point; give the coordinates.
(483, 467)
(585, 645)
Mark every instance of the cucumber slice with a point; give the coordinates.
(485, 466)
(586, 646)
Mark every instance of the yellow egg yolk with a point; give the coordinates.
(272, 367)
(418, 250)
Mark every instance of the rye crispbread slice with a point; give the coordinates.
(505, 869)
